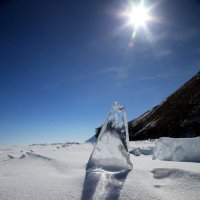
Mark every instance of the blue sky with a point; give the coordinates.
(63, 63)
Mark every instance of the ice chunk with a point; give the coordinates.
(111, 150)
(177, 149)
(135, 151)
(145, 151)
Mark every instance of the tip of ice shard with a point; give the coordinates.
(111, 150)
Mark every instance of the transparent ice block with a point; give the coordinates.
(111, 150)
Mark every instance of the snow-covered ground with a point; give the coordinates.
(57, 172)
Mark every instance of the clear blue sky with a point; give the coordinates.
(63, 63)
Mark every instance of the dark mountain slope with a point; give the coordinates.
(177, 116)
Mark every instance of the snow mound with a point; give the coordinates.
(3, 156)
(38, 156)
(6, 156)
(177, 149)
(111, 151)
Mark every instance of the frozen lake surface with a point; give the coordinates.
(57, 172)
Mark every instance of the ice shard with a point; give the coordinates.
(111, 150)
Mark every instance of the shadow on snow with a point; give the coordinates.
(103, 185)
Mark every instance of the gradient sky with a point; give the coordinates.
(63, 63)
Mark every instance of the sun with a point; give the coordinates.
(138, 15)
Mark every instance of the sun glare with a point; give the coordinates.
(138, 15)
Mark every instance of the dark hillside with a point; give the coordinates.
(177, 116)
